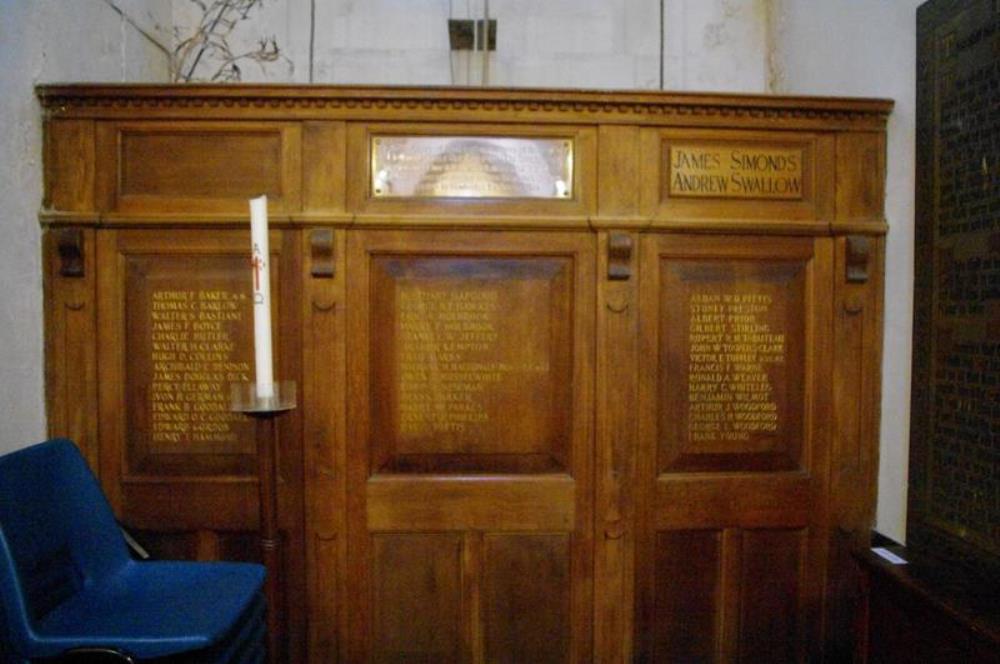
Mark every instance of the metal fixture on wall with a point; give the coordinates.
(473, 36)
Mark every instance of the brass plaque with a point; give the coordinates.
(471, 167)
(720, 170)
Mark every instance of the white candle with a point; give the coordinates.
(260, 257)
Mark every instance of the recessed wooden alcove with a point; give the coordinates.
(635, 420)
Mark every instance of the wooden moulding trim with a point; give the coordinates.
(873, 227)
(51, 218)
(610, 222)
(285, 100)
(141, 479)
(117, 220)
(48, 218)
(734, 225)
(456, 221)
(471, 222)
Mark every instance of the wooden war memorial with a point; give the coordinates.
(583, 377)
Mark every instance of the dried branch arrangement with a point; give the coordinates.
(209, 45)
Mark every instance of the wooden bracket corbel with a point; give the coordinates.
(619, 256)
(69, 244)
(859, 249)
(321, 259)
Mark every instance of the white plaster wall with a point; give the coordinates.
(47, 41)
(603, 44)
(716, 45)
(866, 48)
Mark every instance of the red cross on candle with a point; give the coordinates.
(256, 263)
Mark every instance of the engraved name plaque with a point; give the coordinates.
(471, 167)
(187, 342)
(734, 340)
(719, 170)
(475, 366)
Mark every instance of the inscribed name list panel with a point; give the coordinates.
(189, 337)
(732, 353)
(472, 363)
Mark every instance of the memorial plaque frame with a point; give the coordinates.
(951, 511)
(471, 167)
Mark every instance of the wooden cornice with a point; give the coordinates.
(456, 104)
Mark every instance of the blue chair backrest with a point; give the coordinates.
(57, 532)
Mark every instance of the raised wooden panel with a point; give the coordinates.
(69, 165)
(187, 168)
(171, 163)
(731, 359)
(619, 161)
(472, 363)
(687, 610)
(737, 499)
(182, 304)
(861, 179)
(324, 157)
(417, 594)
(188, 337)
(526, 299)
(708, 509)
(526, 621)
(543, 502)
(771, 619)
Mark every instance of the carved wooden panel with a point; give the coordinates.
(731, 349)
(771, 616)
(188, 338)
(417, 598)
(185, 168)
(180, 302)
(728, 468)
(729, 595)
(686, 621)
(472, 364)
(69, 165)
(470, 433)
(526, 622)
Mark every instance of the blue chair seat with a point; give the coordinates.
(154, 609)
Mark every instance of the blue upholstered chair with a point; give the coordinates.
(68, 585)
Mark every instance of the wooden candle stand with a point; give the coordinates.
(265, 411)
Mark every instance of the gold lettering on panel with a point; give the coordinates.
(730, 391)
(448, 358)
(735, 171)
(194, 358)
